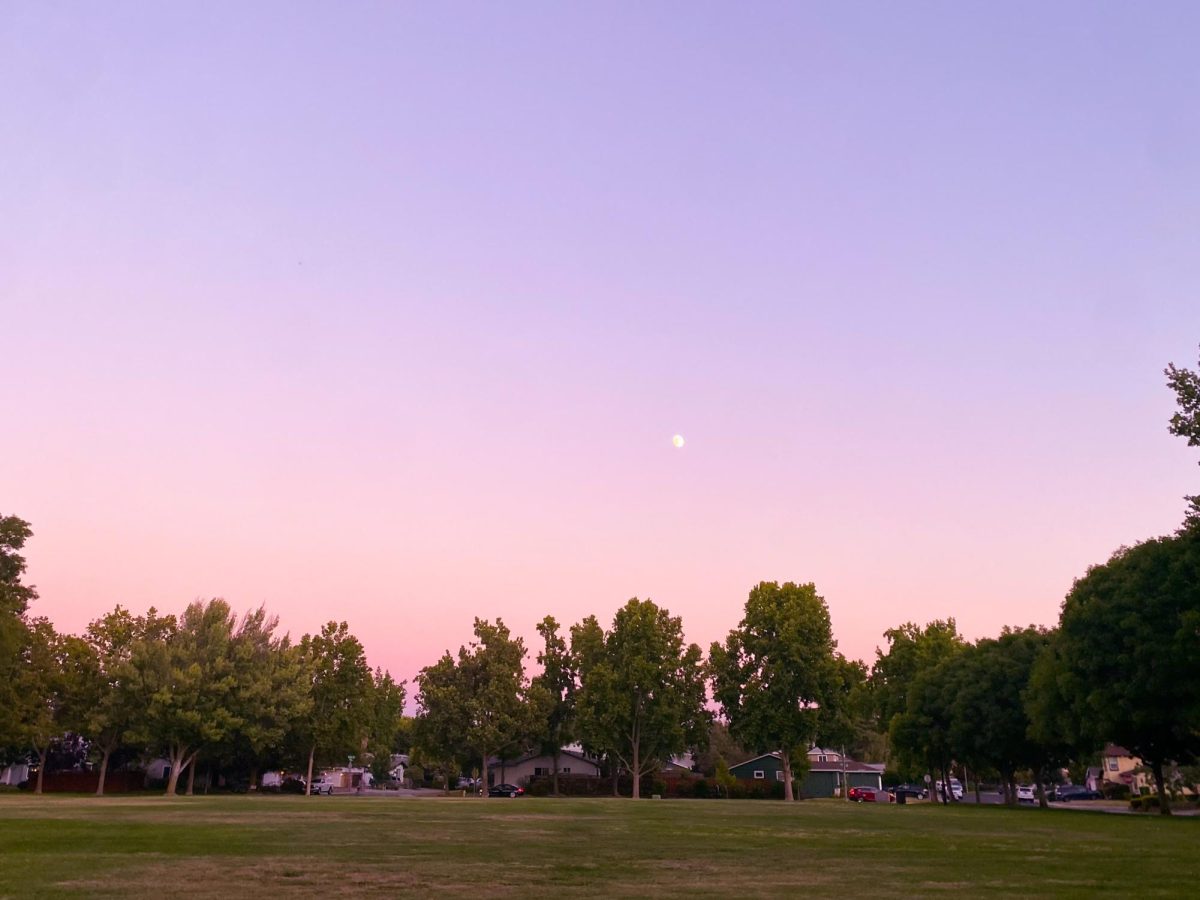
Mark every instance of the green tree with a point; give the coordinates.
(1185, 422)
(1128, 651)
(339, 686)
(186, 683)
(558, 680)
(112, 701)
(476, 705)
(776, 674)
(15, 597)
(386, 722)
(642, 699)
(922, 735)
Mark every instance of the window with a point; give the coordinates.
(759, 773)
(1112, 764)
(540, 770)
(565, 771)
(822, 758)
(779, 776)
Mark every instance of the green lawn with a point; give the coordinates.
(296, 846)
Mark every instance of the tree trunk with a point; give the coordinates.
(103, 771)
(945, 785)
(637, 771)
(42, 754)
(1012, 789)
(312, 751)
(254, 779)
(191, 782)
(1164, 805)
(554, 773)
(786, 757)
(176, 759)
(616, 778)
(1043, 803)
(485, 784)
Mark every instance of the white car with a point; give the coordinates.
(956, 789)
(321, 786)
(1026, 793)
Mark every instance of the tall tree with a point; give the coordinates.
(776, 673)
(112, 702)
(270, 693)
(386, 721)
(643, 699)
(187, 682)
(1128, 652)
(15, 597)
(1185, 422)
(479, 701)
(911, 650)
(339, 685)
(558, 679)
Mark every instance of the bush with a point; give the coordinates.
(701, 789)
(538, 787)
(1144, 803)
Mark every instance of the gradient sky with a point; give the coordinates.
(388, 312)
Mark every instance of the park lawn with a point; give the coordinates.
(224, 847)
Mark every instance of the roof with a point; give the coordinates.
(495, 761)
(845, 764)
(1116, 750)
(745, 762)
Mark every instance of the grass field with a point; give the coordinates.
(298, 847)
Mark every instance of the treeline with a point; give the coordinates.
(204, 686)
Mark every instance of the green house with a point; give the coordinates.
(828, 771)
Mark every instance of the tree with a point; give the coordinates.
(339, 685)
(186, 684)
(386, 721)
(642, 696)
(42, 691)
(1185, 422)
(558, 680)
(776, 672)
(15, 598)
(270, 694)
(922, 734)
(475, 705)
(721, 745)
(111, 702)
(1127, 652)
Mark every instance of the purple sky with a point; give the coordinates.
(388, 312)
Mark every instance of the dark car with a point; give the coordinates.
(505, 790)
(1064, 793)
(912, 791)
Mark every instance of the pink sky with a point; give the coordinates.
(388, 314)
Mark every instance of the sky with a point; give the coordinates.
(388, 312)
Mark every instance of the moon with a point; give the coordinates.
(678, 441)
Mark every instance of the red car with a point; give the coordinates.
(870, 795)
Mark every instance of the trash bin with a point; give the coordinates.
(901, 797)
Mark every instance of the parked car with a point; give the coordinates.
(466, 784)
(322, 785)
(870, 795)
(1026, 793)
(911, 791)
(956, 789)
(505, 790)
(1068, 792)
(290, 786)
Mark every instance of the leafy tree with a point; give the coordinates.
(15, 598)
(270, 694)
(723, 777)
(776, 674)
(476, 704)
(111, 703)
(186, 683)
(339, 686)
(642, 697)
(558, 680)
(721, 745)
(1128, 662)
(922, 735)
(386, 722)
(1185, 422)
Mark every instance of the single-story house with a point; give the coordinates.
(14, 774)
(519, 771)
(828, 772)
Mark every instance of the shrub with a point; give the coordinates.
(701, 790)
(538, 787)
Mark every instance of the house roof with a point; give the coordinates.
(495, 761)
(1116, 750)
(745, 762)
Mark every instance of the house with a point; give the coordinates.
(1122, 767)
(828, 772)
(535, 765)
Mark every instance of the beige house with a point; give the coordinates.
(520, 771)
(1120, 767)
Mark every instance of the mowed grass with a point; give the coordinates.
(269, 846)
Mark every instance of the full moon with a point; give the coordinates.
(677, 441)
